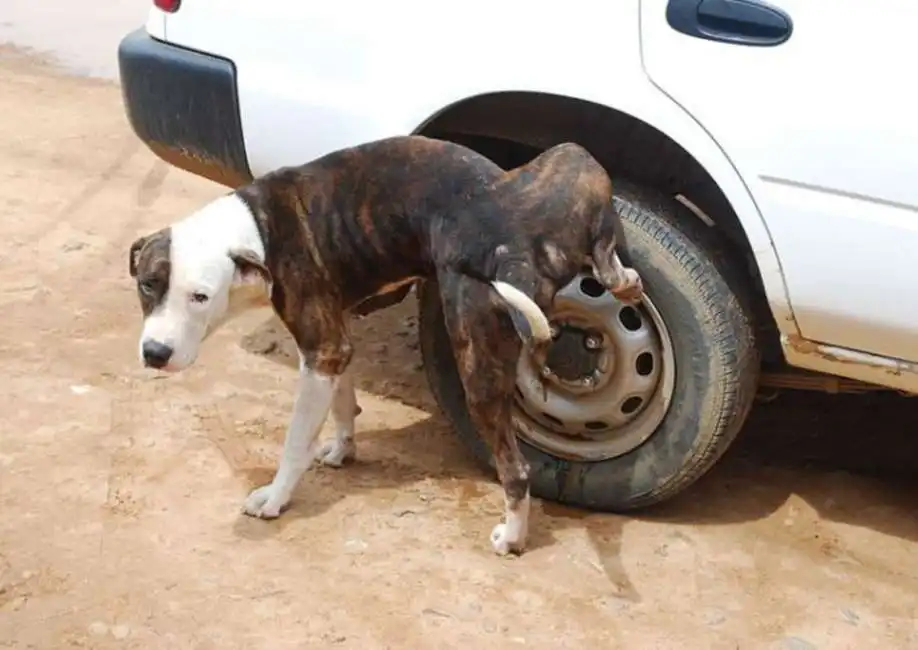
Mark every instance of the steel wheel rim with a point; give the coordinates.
(632, 383)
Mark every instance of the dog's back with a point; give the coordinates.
(552, 209)
(555, 213)
(361, 214)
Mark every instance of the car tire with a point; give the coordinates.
(702, 298)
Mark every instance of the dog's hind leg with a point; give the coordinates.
(608, 239)
(344, 410)
(487, 350)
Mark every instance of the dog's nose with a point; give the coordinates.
(155, 354)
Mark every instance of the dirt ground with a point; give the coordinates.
(121, 491)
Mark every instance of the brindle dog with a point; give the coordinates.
(348, 234)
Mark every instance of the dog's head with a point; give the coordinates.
(189, 278)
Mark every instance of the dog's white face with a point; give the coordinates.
(192, 277)
(194, 303)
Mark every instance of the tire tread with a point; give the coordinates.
(737, 355)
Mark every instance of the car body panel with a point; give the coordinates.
(824, 135)
(156, 24)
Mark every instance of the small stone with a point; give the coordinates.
(490, 627)
(27, 575)
(16, 603)
(121, 632)
(73, 246)
(850, 616)
(796, 643)
(355, 545)
(715, 618)
(615, 604)
(98, 628)
(80, 389)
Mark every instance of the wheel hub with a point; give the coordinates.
(608, 378)
(573, 356)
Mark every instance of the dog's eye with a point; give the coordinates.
(199, 298)
(148, 287)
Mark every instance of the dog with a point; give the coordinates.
(349, 233)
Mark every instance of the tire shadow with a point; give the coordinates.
(852, 458)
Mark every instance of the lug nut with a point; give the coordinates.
(546, 371)
(588, 382)
(555, 330)
(593, 342)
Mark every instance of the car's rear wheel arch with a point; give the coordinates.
(709, 269)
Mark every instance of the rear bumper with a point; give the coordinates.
(184, 106)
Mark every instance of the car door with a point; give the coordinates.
(814, 103)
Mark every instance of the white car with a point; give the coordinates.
(764, 155)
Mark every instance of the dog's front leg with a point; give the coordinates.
(314, 394)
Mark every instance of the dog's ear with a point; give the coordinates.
(249, 265)
(134, 255)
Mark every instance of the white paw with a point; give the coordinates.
(265, 502)
(335, 452)
(507, 539)
(632, 278)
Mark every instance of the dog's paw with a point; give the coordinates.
(336, 452)
(265, 502)
(508, 539)
(631, 289)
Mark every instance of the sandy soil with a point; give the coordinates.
(121, 491)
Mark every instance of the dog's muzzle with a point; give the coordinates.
(156, 354)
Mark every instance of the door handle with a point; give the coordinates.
(740, 22)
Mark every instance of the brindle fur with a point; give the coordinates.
(341, 228)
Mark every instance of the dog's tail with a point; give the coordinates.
(608, 239)
(515, 283)
(530, 321)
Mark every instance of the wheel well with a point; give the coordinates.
(513, 127)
